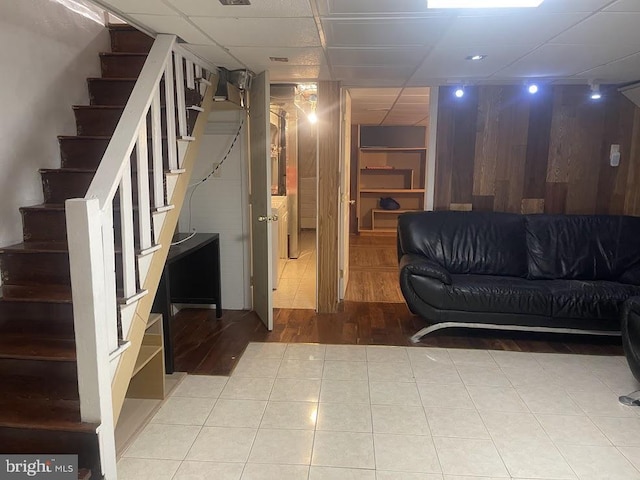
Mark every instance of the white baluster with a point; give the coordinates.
(190, 77)
(170, 116)
(111, 307)
(128, 243)
(156, 142)
(144, 206)
(182, 109)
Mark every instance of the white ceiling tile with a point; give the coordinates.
(384, 33)
(604, 28)
(257, 9)
(572, 5)
(375, 56)
(624, 6)
(372, 7)
(155, 7)
(215, 55)
(261, 32)
(565, 60)
(450, 62)
(294, 73)
(372, 118)
(259, 57)
(530, 29)
(400, 74)
(357, 93)
(621, 71)
(173, 24)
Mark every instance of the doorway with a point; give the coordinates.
(295, 275)
(389, 145)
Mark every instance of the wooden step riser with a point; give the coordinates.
(51, 226)
(61, 185)
(44, 225)
(130, 41)
(44, 387)
(37, 318)
(50, 268)
(37, 441)
(121, 66)
(103, 122)
(117, 93)
(40, 371)
(87, 153)
(35, 268)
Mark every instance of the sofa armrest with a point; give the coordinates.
(631, 276)
(419, 265)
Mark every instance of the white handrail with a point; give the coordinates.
(101, 327)
(107, 178)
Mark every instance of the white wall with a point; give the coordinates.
(220, 205)
(46, 53)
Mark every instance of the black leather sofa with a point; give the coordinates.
(565, 273)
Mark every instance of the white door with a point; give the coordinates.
(345, 179)
(260, 199)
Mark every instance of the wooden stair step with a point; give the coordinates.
(128, 39)
(38, 379)
(79, 441)
(84, 474)
(59, 185)
(37, 293)
(32, 347)
(44, 222)
(86, 152)
(54, 320)
(110, 91)
(35, 263)
(121, 64)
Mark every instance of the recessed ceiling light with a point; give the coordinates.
(476, 57)
(279, 59)
(459, 92)
(533, 89)
(235, 2)
(483, 3)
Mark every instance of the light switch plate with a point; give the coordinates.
(614, 155)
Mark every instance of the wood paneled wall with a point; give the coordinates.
(501, 149)
(328, 194)
(307, 154)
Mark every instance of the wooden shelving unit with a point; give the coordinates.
(147, 380)
(395, 171)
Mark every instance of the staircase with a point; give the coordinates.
(39, 405)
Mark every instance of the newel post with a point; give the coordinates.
(86, 257)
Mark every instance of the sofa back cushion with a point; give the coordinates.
(466, 242)
(581, 247)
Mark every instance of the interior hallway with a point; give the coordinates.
(297, 276)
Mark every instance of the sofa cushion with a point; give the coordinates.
(467, 242)
(485, 293)
(581, 247)
(588, 299)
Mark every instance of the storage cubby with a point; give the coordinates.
(395, 171)
(148, 376)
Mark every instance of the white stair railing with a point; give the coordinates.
(106, 280)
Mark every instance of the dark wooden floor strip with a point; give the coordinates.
(206, 345)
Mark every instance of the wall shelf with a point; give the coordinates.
(395, 170)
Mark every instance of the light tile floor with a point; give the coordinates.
(338, 412)
(297, 277)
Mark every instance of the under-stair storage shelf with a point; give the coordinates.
(147, 380)
(394, 171)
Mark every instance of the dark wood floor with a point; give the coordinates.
(206, 345)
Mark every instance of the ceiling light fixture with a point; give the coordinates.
(476, 58)
(235, 2)
(483, 3)
(533, 89)
(459, 92)
(595, 92)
